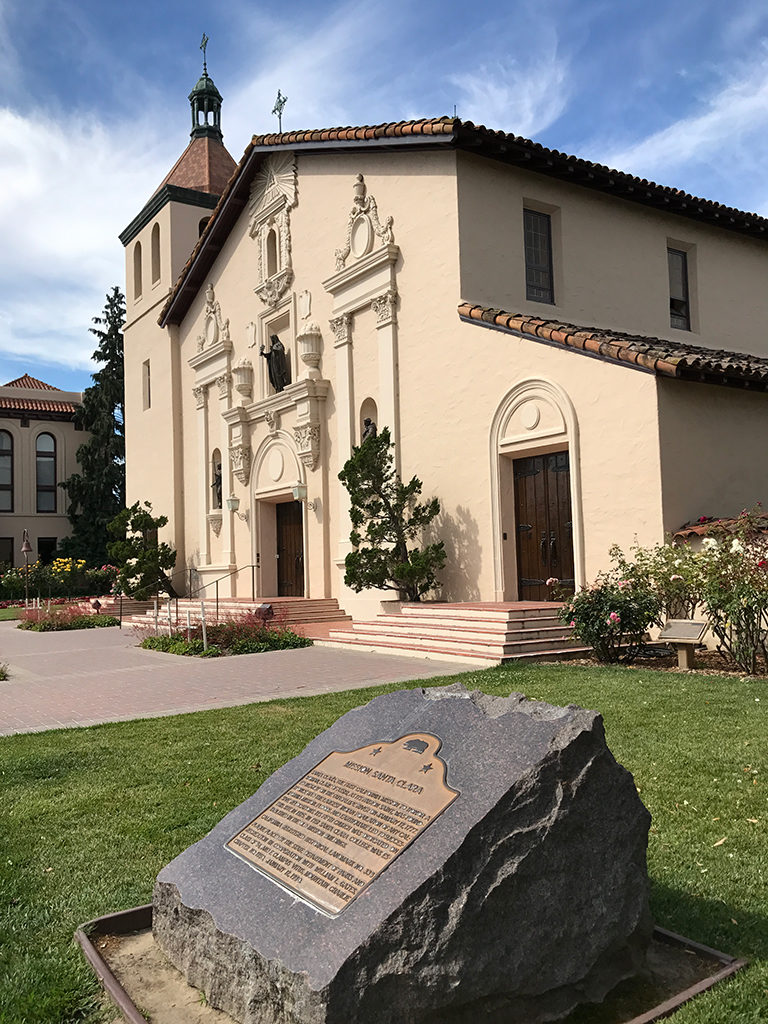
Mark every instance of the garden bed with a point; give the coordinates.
(246, 635)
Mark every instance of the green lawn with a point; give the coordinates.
(89, 816)
(10, 613)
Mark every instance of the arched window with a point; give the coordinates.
(6, 472)
(45, 459)
(155, 254)
(137, 271)
(271, 253)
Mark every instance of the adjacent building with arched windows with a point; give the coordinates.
(38, 446)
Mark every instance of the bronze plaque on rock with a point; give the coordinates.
(329, 835)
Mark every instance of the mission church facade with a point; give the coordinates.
(567, 356)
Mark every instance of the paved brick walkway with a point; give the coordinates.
(90, 676)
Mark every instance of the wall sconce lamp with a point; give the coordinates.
(233, 504)
(300, 494)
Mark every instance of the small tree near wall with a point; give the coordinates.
(141, 560)
(387, 519)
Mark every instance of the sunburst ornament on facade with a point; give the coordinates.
(273, 196)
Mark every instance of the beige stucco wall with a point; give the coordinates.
(447, 389)
(713, 454)
(25, 515)
(610, 260)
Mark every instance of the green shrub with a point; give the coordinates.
(612, 616)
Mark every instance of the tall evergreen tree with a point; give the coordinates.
(97, 493)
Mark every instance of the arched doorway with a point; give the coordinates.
(536, 506)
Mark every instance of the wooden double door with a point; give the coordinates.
(544, 524)
(290, 549)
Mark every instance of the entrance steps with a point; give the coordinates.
(288, 611)
(487, 634)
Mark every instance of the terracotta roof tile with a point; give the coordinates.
(505, 147)
(30, 382)
(205, 166)
(659, 355)
(36, 405)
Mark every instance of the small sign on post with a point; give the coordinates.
(683, 635)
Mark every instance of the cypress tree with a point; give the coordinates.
(97, 493)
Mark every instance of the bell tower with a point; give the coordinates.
(158, 242)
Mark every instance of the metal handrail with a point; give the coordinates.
(216, 582)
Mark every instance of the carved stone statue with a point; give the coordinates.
(216, 486)
(279, 377)
(369, 429)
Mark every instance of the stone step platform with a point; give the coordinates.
(288, 611)
(488, 634)
(111, 606)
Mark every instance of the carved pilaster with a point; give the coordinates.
(384, 306)
(240, 460)
(224, 384)
(214, 518)
(342, 329)
(307, 437)
(200, 396)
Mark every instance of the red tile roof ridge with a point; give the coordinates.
(661, 355)
(27, 381)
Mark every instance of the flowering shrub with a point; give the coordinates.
(735, 589)
(674, 573)
(246, 635)
(611, 616)
(63, 578)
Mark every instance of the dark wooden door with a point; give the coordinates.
(544, 526)
(290, 549)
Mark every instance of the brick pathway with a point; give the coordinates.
(89, 676)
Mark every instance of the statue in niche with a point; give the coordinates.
(216, 485)
(277, 364)
(369, 429)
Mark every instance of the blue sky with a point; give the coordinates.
(94, 111)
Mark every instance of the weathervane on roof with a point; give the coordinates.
(278, 109)
(204, 47)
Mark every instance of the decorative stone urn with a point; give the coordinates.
(310, 347)
(243, 375)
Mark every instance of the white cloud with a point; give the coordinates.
(523, 98)
(728, 136)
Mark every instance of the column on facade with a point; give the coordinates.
(342, 330)
(384, 306)
(224, 384)
(203, 461)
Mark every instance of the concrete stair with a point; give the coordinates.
(489, 634)
(288, 611)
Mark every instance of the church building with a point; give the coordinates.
(567, 356)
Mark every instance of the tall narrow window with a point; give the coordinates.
(45, 458)
(155, 254)
(146, 384)
(271, 253)
(537, 228)
(679, 305)
(137, 271)
(6, 472)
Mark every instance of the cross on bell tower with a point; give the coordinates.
(205, 100)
